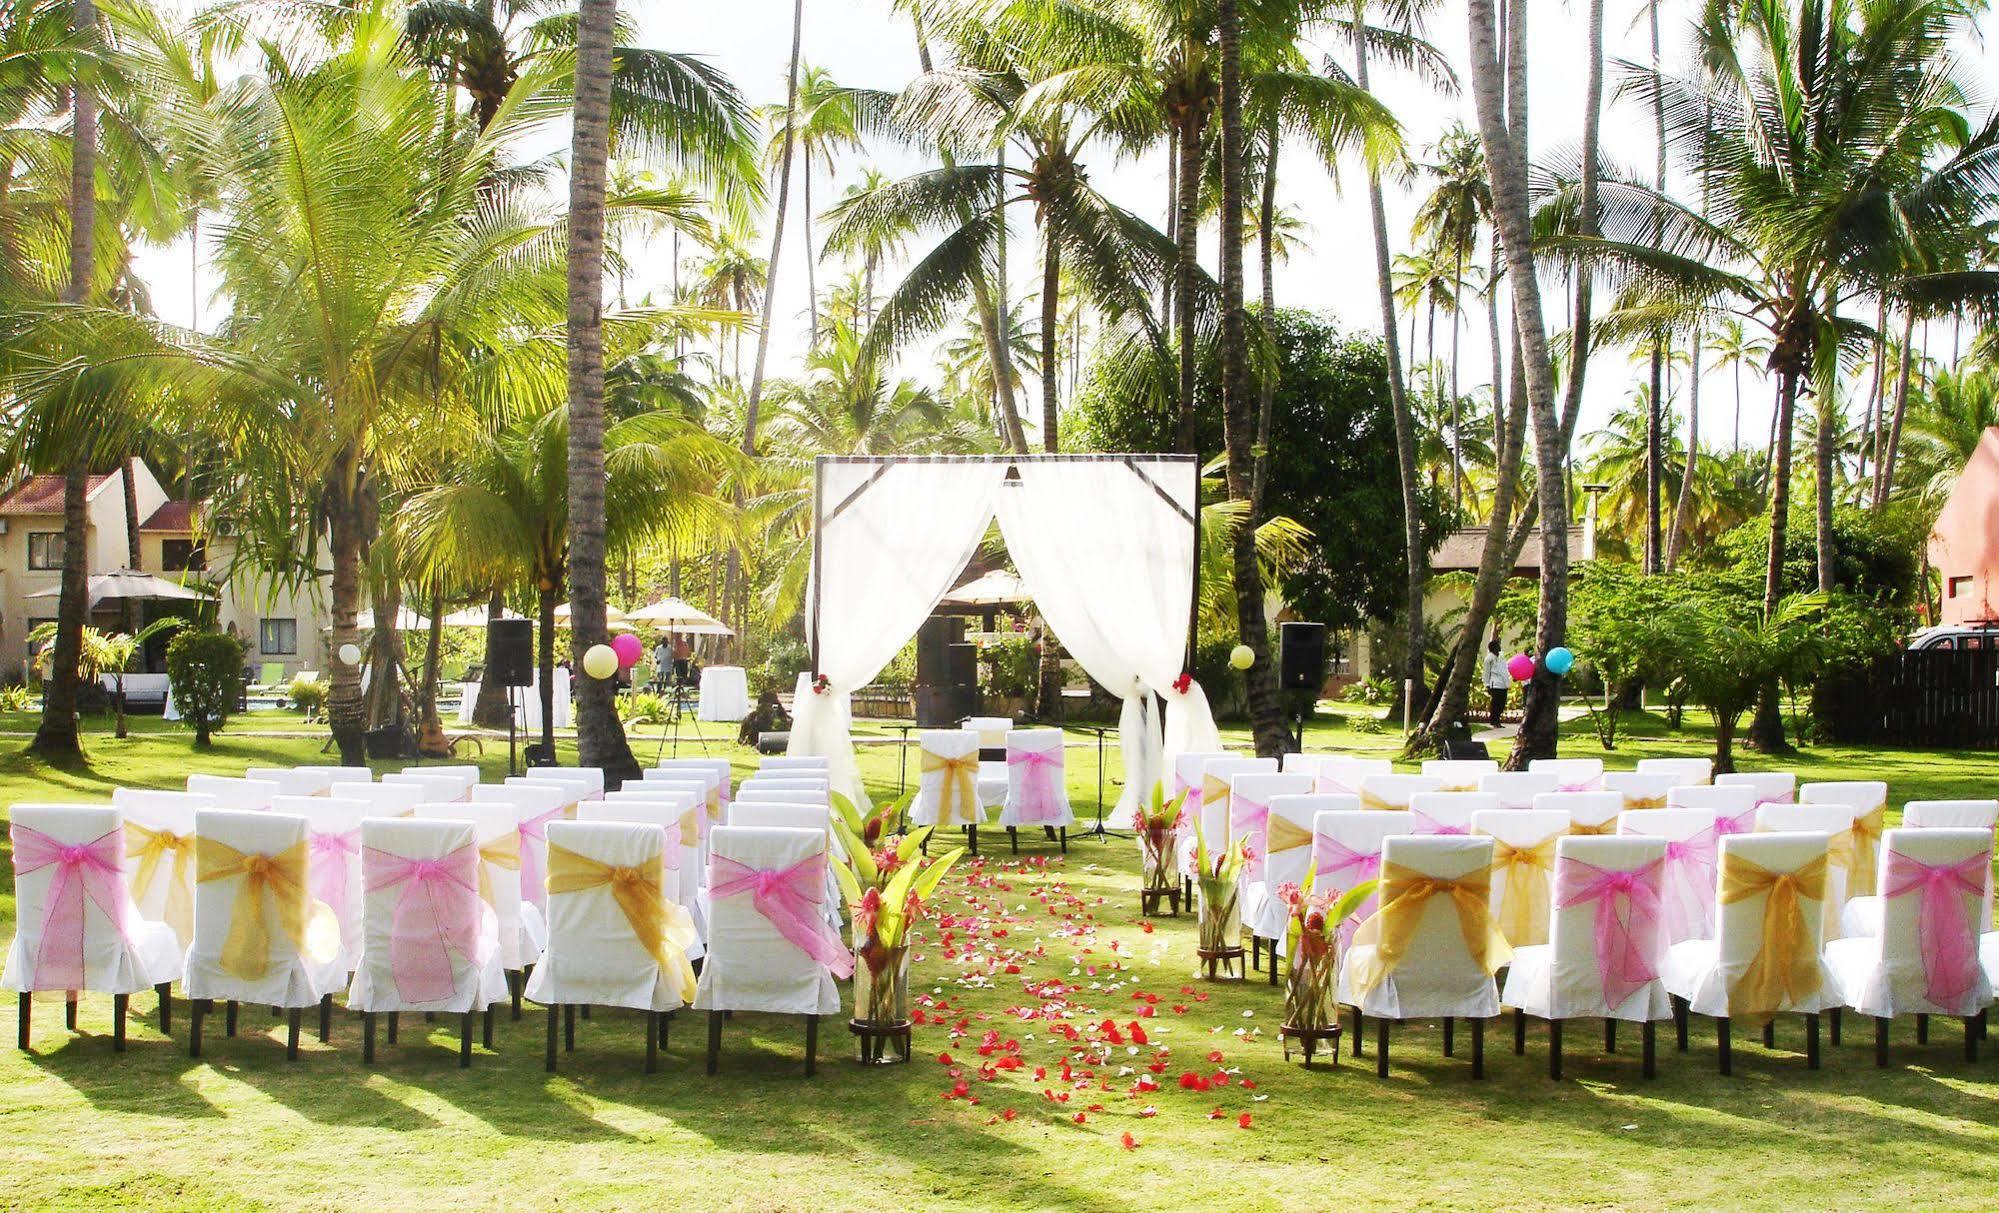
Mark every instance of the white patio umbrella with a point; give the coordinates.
(612, 616)
(407, 620)
(674, 615)
(129, 585)
(998, 586)
(475, 617)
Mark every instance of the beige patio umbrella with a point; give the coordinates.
(993, 589)
(675, 615)
(475, 617)
(612, 616)
(130, 585)
(407, 620)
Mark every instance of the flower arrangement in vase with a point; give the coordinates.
(1311, 947)
(1159, 824)
(886, 880)
(1218, 881)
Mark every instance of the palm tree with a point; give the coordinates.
(1734, 345)
(786, 151)
(822, 123)
(1947, 420)
(732, 278)
(844, 404)
(1453, 213)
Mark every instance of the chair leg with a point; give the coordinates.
(1013, 838)
(465, 1041)
(1065, 840)
(1812, 1041)
(229, 1018)
(1555, 1050)
(486, 1031)
(652, 1042)
(1478, 1047)
(714, 1038)
(194, 1007)
(1770, 1034)
(1680, 1022)
(395, 1025)
(1450, 1036)
(515, 981)
(292, 1017)
(325, 1018)
(554, 1016)
(811, 1045)
(1273, 962)
(1359, 1032)
(1610, 1036)
(166, 992)
(27, 1008)
(972, 834)
(1519, 1032)
(120, 1004)
(1381, 1047)
(1725, 1046)
(1971, 1038)
(1922, 1029)
(69, 1012)
(1833, 1026)
(1650, 1036)
(1880, 1041)
(568, 1027)
(367, 1038)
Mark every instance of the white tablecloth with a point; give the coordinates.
(725, 693)
(529, 699)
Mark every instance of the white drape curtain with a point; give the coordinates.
(1109, 562)
(901, 535)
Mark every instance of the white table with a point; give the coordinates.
(529, 699)
(725, 694)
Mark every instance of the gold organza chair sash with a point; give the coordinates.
(1786, 965)
(1598, 828)
(1392, 928)
(661, 927)
(1861, 845)
(1371, 800)
(958, 789)
(1644, 802)
(1523, 895)
(1286, 835)
(280, 879)
(501, 852)
(149, 847)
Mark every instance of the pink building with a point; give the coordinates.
(1964, 546)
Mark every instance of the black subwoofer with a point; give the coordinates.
(511, 646)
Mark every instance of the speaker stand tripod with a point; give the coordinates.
(676, 709)
(513, 736)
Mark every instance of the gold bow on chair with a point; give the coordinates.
(280, 878)
(1369, 800)
(502, 852)
(690, 827)
(1407, 893)
(1523, 895)
(1286, 835)
(1786, 965)
(150, 846)
(1601, 827)
(1644, 802)
(1862, 842)
(1214, 790)
(958, 791)
(661, 927)
(714, 804)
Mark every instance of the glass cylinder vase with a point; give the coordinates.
(1309, 986)
(881, 995)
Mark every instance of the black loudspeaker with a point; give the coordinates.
(934, 642)
(1302, 657)
(1465, 749)
(511, 642)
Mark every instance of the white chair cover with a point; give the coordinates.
(1641, 789)
(465, 772)
(1037, 783)
(715, 795)
(1286, 846)
(1571, 774)
(293, 781)
(724, 775)
(1693, 851)
(1346, 849)
(595, 955)
(1687, 771)
(1517, 789)
(1340, 775)
(1588, 812)
(795, 762)
(771, 815)
(1771, 787)
(1607, 941)
(159, 854)
(1831, 820)
(1703, 971)
(341, 774)
(535, 804)
(98, 941)
(1294, 762)
(1211, 824)
(432, 786)
(789, 780)
(1393, 791)
(293, 973)
(587, 781)
(679, 814)
(1523, 868)
(1460, 774)
(1438, 975)
(1187, 770)
(1732, 808)
(229, 792)
(1950, 814)
(496, 829)
(429, 943)
(767, 793)
(1924, 959)
(333, 858)
(992, 730)
(932, 806)
(1250, 795)
(1448, 812)
(751, 966)
(387, 799)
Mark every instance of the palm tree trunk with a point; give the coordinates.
(128, 485)
(1266, 390)
(1655, 424)
(1870, 448)
(776, 234)
(1172, 228)
(1186, 228)
(1415, 550)
(1828, 423)
(56, 736)
(1766, 728)
(490, 710)
(600, 735)
(1678, 535)
(1886, 470)
(1457, 447)
(346, 714)
(430, 727)
(1051, 324)
(811, 258)
(384, 695)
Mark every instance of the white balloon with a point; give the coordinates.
(350, 654)
(600, 661)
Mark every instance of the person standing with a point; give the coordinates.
(683, 660)
(1498, 679)
(662, 668)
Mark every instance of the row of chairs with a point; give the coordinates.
(966, 773)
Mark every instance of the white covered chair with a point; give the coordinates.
(1187, 770)
(587, 782)
(615, 939)
(1606, 944)
(259, 934)
(1924, 960)
(1868, 800)
(1460, 774)
(991, 732)
(1641, 789)
(1448, 812)
(293, 781)
(1517, 789)
(678, 813)
(1588, 812)
(1431, 949)
(1571, 774)
(770, 947)
(1249, 819)
(340, 775)
(333, 860)
(1733, 809)
(1286, 845)
(1950, 814)
(534, 806)
(1523, 869)
(774, 763)
(1765, 959)
(1387, 792)
(159, 853)
(429, 942)
(1692, 857)
(947, 785)
(1833, 821)
(720, 774)
(793, 790)
(1346, 852)
(1211, 824)
(75, 925)
(1037, 788)
(386, 799)
(1341, 774)
(433, 787)
(229, 792)
(496, 830)
(463, 772)
(1687, 771)
(1771, 787)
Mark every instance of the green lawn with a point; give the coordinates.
(242, 1128)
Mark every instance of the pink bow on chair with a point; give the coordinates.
(436, 914)
(1038, 801)
(328, 868)
(1336, 865)
(534, 853)
(790, 899)
(1949, 943)
(82, 869)
(1690, 865)
(1738, 823)
(1627, 920)
(1588, 785)
(1426, 824)
(1248, 819)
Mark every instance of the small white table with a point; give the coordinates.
(725, 694)
(528, 698)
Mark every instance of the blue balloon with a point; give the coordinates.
(1559, 661)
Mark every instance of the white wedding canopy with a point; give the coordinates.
(1105, 545)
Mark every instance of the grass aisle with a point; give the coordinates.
(1031, 1087)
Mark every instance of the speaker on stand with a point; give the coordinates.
(510, 644)
(1301, 667)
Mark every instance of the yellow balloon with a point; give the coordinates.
(1242, 657)
(600, 661)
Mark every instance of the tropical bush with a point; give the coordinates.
(205, 670)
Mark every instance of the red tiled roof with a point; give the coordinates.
(174, 518)
(41, 495)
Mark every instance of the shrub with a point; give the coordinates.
(205, 670)
(642, 707)
(308, 695)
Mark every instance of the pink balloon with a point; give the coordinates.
(1521, 667)
(628, 648)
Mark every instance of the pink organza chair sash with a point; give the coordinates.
(1951, 893)
(1335, 865)
(1592, 784)
(1426, 824)
(1690, 864)
(1248, 819)
(1739, 823)
(790, 899)
(1038, 799)
(85, 869)
(436, 914)
(1779, 798)
(1627, 920)
(328, 868)
(534, 853)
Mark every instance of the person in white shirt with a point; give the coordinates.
(1498, 679)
